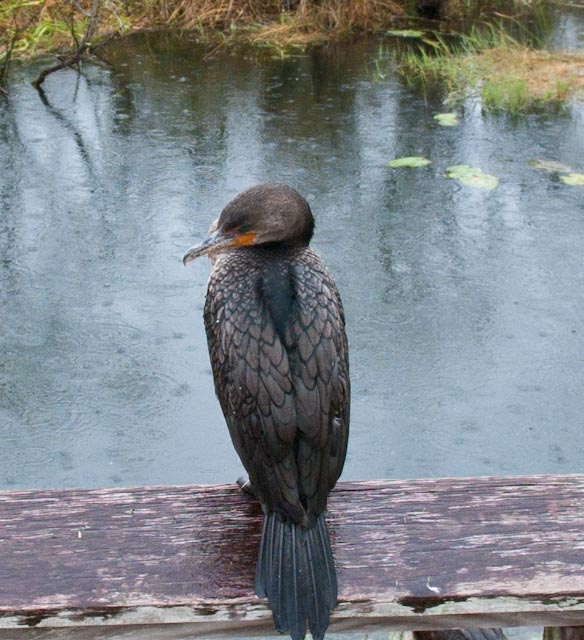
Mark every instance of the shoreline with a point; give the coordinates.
(508, 74)
(45, 27)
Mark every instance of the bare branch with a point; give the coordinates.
(81, 10)
(72, 23)
(112, 7)
(85, 43)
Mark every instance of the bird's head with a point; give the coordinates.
(266, 213)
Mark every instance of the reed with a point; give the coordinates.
(495, 68)
(30, 27)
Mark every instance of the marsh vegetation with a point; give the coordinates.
(502, 71)
(492, 50)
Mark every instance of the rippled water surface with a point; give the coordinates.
(465, 308)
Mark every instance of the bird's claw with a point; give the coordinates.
(245, 485)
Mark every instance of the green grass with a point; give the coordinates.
(491, 66)
(29, 27)
(511, 95)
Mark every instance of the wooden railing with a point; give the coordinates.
(176, 562)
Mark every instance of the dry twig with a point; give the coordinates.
(82, 47)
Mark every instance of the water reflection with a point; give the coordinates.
(464, 307)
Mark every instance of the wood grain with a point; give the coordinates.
(419, 554)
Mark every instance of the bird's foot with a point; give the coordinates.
(246, 486)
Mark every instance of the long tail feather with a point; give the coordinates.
(296, 573)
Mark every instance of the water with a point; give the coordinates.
(465, 308)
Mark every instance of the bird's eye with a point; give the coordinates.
(244, 228)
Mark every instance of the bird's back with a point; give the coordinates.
(276, 334)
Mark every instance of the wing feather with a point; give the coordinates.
(284, 394)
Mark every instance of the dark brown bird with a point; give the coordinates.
(276, 334)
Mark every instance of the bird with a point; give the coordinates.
(278, 348)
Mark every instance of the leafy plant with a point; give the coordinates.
(573, 179)
(446, 119)
(472, 177)
(409, 161)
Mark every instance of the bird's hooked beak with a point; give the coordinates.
(217, 241)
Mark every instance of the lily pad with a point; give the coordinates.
(551, 166)
(406, 33)
(472, 177)
(573, 179)
(446, 119)
(409, 161)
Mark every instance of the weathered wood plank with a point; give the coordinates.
(422, 554)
